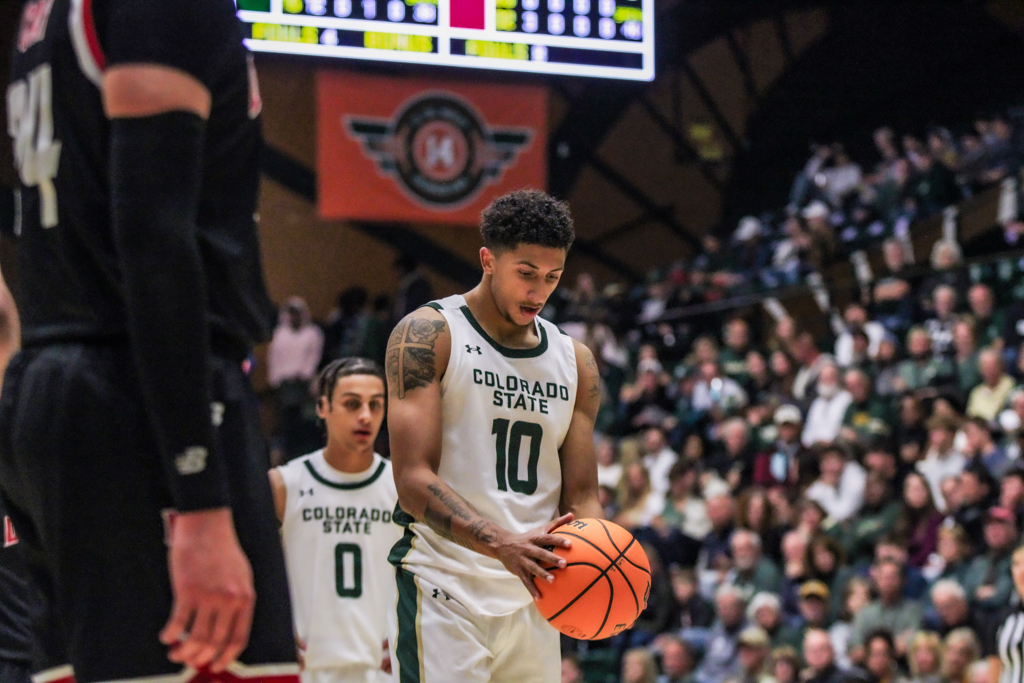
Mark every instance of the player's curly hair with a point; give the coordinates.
(345, 367)
(527, 217)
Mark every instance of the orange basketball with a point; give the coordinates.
(605, 583)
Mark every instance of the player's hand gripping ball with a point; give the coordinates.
(605, 583)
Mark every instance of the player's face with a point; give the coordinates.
(522, 279)
(354, 415)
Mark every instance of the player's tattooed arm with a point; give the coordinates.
(411, 360)
(444, 507)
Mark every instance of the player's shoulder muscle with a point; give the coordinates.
(418, 351)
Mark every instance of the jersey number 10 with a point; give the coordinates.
(30, 124)
(507, 444)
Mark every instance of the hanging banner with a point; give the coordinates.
(403, 149)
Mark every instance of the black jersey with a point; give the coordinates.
(70, 277)
(15, 633)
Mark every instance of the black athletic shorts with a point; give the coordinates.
(87, 494)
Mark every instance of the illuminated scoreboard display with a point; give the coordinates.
(603, 38)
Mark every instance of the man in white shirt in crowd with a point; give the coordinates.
(855, 318)
(658, 459)
(840, 488)
(942, 459)
(825, 416)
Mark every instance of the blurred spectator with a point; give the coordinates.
(733, 458)
(639, 503)
(692, 611)
(952, 559)
(856, 596)
(786, 463)
(919, 520)
(685, 510)
(720, 661)
(785, 664)
(571, 671)
(952, 609)
(867, 417)
(975, 494)
(825, 416)
(715, 393)
(989, 585)
(733, 357)
(353, 330)
(658, 458)
(981, 447)
(965, 357)
(880, 660)
(941, 460)
(840, 487)
(753, 646)
(988, 398)
(877, 518)
(609, 469)
(924, 658)
(645, 403)
(638, 666)
(677, 661)
(946, 261)
(752, 572)
(765, 612)
(292, 360)
(892, 292)
(855, 318)
(960, 650)
(940, 325)
(988, 321)
(414, 290)
(890, 611)
(811, 361)
(820, 658)
(923, 369)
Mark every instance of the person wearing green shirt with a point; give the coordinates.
(867, 416)
(891, 611)
(922, 369)
(989, 321)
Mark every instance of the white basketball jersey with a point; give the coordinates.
(337, 532)
(505, 414)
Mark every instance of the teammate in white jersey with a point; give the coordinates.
(491, 416)
(335, 507)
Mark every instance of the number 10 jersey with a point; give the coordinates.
(505, 414)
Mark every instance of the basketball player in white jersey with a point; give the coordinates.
(491, 416)
(335, 507)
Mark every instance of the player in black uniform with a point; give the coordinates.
(16, 597)
(136, 133)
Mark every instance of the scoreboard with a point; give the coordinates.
(602, 38)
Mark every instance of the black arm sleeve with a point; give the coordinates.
(155, 176)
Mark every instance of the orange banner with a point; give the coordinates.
(404, 149)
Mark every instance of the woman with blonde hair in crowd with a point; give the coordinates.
(961, 649)
(638, 667)
(639, 504)
(924, 658)
(785, 664)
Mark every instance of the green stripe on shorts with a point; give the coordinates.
(408, 647)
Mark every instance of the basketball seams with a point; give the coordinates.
(621, 556)
(603, 574)
(612, 541)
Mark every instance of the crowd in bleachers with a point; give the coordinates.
(815, 508)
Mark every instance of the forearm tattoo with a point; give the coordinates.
(453, 505)
(410, 361)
